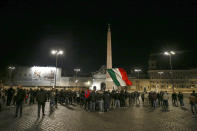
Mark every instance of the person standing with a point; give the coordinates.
(137, 97)
(126, 95)
(52, 100)
(180, 98)
(117, 99)
(10, 94)
(14, 99)
(92, 101)
(174, 99)
(41, 99)
(70, 97)
(192, 100)
(19, 100)
(56, 97)
(101, 102)
(154, 99)
(165, 101)
(31, 92)
(87, 99)
(78, 97)
(112, 102)
(122, 99)
(159, 99)
(106, 97)
(142, 97)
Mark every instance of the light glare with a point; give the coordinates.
(160, 72)
(172, 52)
(77, 70)
(11, 67)
(60, 52)
(56, 52)
(137, 70)
(166, 53)
(53, 52)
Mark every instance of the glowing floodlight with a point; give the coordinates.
(172, 52)
(166, 53)
(53, 52)
(60, 52)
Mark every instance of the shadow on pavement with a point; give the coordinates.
(70, 108)
(137, 105)
(74, 105)
(185, 109)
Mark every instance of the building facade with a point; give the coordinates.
(34, 76)
(154, 80)
(44, 76)
(170, 78)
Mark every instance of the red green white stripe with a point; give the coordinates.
(119, 77)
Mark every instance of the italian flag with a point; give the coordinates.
(119, 76)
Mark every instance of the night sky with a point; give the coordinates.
(30, 29)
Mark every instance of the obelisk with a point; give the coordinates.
(109, 82)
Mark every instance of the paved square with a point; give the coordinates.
(73, 118)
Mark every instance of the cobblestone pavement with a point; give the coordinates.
(73, 118)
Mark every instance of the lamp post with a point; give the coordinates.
(76, 71)
(11, 68)
(170, 53)
(138, 71)
(56, 53)
(160, 73)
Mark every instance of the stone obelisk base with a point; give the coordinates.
(109, 83)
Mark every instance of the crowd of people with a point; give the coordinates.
(101, 101)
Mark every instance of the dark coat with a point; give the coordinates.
(10, 92)
(93, 96)
(106, 97)
(41, 96)
(20, 96)
(180, 96)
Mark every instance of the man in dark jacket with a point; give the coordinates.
(106, 101)
(41, 99)
(10, 94)
(180, 97)
(117, 99)
(92, 101)
(31, 92)
(193, 99)
(174, 99)
(19, 100)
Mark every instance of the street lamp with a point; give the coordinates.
(56, 53)
(138, 71)
(76, 71)
(11, 68)
(160, 73)
(170, 53)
